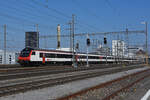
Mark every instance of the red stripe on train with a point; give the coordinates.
(24, 58)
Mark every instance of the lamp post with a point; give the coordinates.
(73, 48)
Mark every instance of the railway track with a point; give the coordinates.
(31, 69)
(8, 68)
(47, 71)
(5, 66)
(20, 68)
(110, 90)
(25, 84)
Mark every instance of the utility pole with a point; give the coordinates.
(74, 63)
(5, 44)
(146, 42)
(117, 48)
(73, 31)
(146, 33)
(127, 39)
(70, 28)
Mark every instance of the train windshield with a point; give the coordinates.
(25, 52)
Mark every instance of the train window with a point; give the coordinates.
(104, 58)
(1, 59)
(33, 53)
(82, 57)
(93, 57)
(49, 55)
(108, 57)
(96, 57)
(53, 55)
(63, 56)
(41, 55)
(67, 56)
(60, 55)
(9, 59)
(90, 57)
(25, 52)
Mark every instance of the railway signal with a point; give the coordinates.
(105, 40)
(77, 46)
(88, 44)
(88, 41)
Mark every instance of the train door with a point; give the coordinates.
(43, 58)
(101, 59)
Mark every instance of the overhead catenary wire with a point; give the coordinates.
(27, 14)
(51, 9)
(24, 17)
(31, 6)
(91, 13)
(61, 13)
(114, 9)
(95, 33)
(24, 20)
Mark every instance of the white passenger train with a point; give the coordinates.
(30, 56)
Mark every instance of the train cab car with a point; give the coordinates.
(24, 57)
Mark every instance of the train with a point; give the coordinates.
(32, 56)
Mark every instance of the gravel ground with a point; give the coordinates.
(51, 76)
(136, 92)
(99, 94)
(54, 92)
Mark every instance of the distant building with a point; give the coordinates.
(103, 50)
(32, 39)
(140, 53)
(118, 48)
(132, 50)
(65, 49)
(11, 57)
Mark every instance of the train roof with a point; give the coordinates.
(39, 49)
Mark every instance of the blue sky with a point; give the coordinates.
(91, 16)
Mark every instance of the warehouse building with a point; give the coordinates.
(11, 57)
